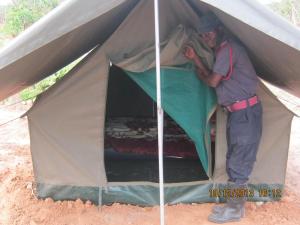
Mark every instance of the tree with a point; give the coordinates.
(290, 9)
(24, 13)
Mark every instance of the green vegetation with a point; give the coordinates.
(30, 93)
(290, 9)
(24, 13)
(4, 39)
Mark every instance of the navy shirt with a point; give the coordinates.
(243, 81)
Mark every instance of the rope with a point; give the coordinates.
(18, 102)
(15, 103)
(3, 106)
(9, 121)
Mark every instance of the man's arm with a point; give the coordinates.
(211, 79)
(208, 77)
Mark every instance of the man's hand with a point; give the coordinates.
(189, 52)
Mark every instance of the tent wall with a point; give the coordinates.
(270, 166)
(66, 127)
(147, 194)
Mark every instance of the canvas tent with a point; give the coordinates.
(67, 122)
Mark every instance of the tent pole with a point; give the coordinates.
(160, 115)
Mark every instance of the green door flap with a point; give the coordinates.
(186, 99)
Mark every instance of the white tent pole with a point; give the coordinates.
(160, 115)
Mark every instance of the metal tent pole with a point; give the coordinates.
(160, 115)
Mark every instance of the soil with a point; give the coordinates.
(19, 206)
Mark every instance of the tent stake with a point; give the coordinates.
(160, 115)
(100, 199)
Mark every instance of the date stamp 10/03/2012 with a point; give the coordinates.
(244, 192)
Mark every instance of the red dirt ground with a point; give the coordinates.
(18, 206)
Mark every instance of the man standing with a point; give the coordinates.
(235, 82)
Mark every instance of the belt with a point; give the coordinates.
(242, 104)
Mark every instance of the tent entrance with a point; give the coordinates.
(131, 138)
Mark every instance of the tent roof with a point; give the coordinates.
(75, 27)
(63, 35)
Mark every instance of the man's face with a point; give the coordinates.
(210, 38)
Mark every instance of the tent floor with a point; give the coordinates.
(122, 167)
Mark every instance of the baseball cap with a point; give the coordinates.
(208, 22)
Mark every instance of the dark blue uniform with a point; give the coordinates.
(244, 127)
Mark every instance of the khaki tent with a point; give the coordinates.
(68, 123)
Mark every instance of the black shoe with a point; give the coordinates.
(232, 211)
(228, 214)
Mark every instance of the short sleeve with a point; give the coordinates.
(222, 63)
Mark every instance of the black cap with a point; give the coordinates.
(208, 22)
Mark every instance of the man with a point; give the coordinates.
(235, 82)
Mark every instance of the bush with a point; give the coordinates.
(24, 13)
(31, 92)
